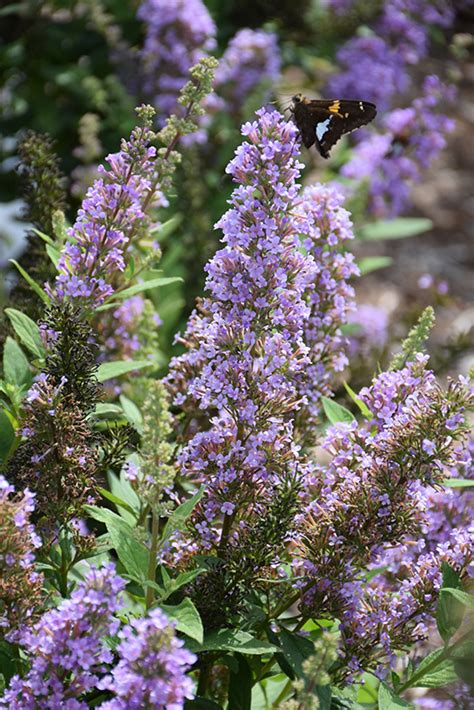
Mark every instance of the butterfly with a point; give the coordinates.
(323, 122)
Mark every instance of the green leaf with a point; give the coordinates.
(109, 370)
(147, 285)
(462, 597)
(232, 640)
(373, 263)
(45, 237)
(16, 367)
(187, 619)
(324, 695)
(171, 585)
(132, 413)
(53, 253)
(296, 649)
(108, 517)
(35, 286)
(103, 409)
(240, 686)
(357, 400)
(439, 671)
(116, 500)
(132, 554)
(388, 700)
(7, 435)
(163, 231)
(122, 488)
(179, 516)
(27, 331)
(458, 483)
(336, 412)
(399, 228)
(450, 612)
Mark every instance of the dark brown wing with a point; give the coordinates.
(327, 121)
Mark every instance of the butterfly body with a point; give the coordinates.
(322, 122)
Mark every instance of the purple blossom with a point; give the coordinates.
(66, 649)
(20, 584)
(178, 34)
(112, 214)
(151, 668)
(251, 58)
(245, 346)
(372, 334)
(392, 162)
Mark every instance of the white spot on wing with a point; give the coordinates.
(322, 128)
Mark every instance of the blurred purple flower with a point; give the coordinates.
(372, 333)
(251, 58)
(178, 34)
(151, 668)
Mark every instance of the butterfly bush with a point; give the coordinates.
(248, 335)
(112, 215)
(369, 497)
(20, 584)
(325, 228)
(392, 161)
(178, 33)
(151, 668)
(376, 66)
(66, 649)
(251, 58)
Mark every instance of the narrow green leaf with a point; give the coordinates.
(357, 400)
(296, 649)
(53, 253)
(108, 517)
(163, 231)
(103, 409)
(439, 671)
(458, 483)
(16, 367)
(373, 263)
(132, 413)
(7, 435)
(232, 640)
(179, 516)
(450, 612)
(35, 286)
(462, 597)
(109, 370)
(336, 412)
(45, 237)
(27, 331)
(116, 500)
(240, 686)
(389, 700)
(122, 488)
(187, 619)
(399, 228)
(147, 285)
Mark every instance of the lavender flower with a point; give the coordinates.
(325, 227)
(371, 336)
(392, 162)
(250, 59)
(178, 34)
(371, 69)
(151, 668)
(20, 585)
(66, 649)
(370, 494)
(113, 213)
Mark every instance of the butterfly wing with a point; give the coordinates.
(324, 122)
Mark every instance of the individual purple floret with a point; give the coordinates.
(67, 650)
(151, 668)
(177, 35)
(251, 58)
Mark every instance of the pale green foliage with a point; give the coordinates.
(416, 339)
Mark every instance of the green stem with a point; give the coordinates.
(155, 529)
(204, 677)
